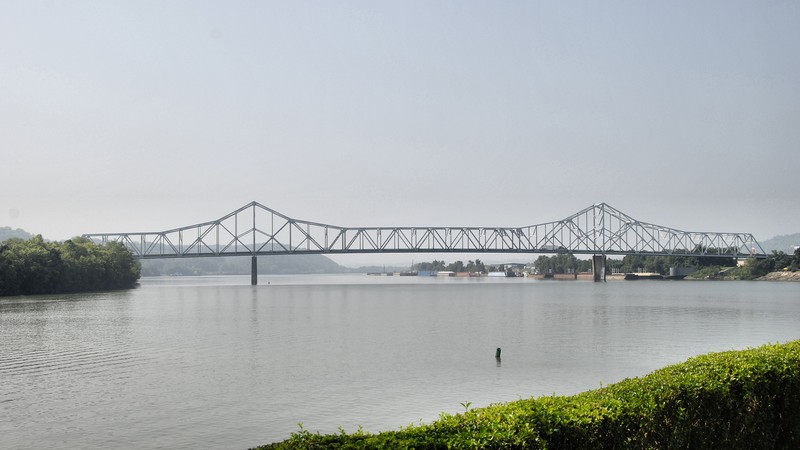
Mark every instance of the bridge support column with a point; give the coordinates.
(599, 267)
(254, 270)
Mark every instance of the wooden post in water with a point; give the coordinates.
(254, 271)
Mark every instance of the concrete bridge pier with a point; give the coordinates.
(599, 267)
(254, 270)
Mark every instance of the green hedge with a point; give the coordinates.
(738, 399)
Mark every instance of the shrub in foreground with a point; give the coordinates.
(737, 399)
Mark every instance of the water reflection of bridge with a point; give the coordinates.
(254, 230)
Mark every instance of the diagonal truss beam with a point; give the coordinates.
(255, 229)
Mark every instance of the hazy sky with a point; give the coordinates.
(148, 115)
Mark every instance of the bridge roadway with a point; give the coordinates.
(600, 229)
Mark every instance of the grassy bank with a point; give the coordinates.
(738, 399)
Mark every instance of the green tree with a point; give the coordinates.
(543, 264)
(561, 263)
(38, 267)
(566, 263)
(707, 261)
(613, 265)
(457, 266)
(84, 266)
(475, 266)
(122, 269)
(432, 266)
(633, 263)
(755, 267)
(9, 279)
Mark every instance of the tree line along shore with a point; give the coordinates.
(34, 266)
(699, 267)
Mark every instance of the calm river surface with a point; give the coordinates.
(211, 362)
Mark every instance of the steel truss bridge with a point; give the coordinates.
(255, 229)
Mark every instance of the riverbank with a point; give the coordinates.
(780, 276)
(736, 399)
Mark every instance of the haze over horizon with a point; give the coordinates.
(145, 116)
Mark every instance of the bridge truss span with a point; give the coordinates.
(255, 230)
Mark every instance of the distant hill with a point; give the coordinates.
(9, 233)
(782, 243)
(240, 265)
(377, 269)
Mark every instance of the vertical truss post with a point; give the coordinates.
(254, 258)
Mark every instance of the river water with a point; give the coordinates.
(211, 362)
